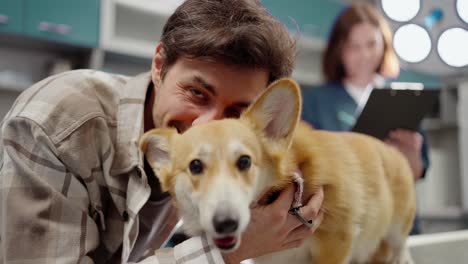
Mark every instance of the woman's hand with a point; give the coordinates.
(410, 144)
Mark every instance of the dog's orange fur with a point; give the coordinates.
(365, 182)
(368, 185)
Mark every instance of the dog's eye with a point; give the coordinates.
(243, 163)
(196, 166)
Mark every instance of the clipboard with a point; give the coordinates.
(388, 109)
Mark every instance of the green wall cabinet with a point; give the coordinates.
(11, 16)
(71, 21)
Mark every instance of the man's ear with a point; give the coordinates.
(277, 111)
(155, 144)
(157, 63)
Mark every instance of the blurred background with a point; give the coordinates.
(43, 37)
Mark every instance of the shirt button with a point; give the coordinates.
(125, 216)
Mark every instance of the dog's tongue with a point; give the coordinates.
(225, 242)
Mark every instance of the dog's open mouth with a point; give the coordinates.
(226, 243)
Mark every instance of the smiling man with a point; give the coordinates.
(74, 186)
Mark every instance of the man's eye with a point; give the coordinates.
(233, 113)
(197, 93)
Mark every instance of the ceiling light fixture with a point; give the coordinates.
(401, 10)
(451, 47)
(412, 43)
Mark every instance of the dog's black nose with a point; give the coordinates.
(225, 225)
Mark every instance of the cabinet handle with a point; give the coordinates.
(4, 19)
(61, 29)
(45, 26)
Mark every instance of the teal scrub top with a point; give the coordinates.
(330, 107)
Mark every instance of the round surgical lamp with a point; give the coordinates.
(462, 10)
(412, 43)
(452, 45)
(401, 10)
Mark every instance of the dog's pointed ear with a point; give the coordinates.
(155, 144)
(277, 111)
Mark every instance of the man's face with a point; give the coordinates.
(195, 91)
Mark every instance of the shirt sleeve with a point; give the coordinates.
(195, 250)
(44, 207)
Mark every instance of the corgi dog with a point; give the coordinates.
(215, 170)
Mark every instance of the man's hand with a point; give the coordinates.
(272, 228)
(409, 143)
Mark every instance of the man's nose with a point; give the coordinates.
(208, 115)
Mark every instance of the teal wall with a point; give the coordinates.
(314, 17)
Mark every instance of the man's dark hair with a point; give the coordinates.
(234, 32)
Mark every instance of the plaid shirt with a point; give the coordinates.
(71, 175)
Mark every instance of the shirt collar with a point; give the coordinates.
(130, 118)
